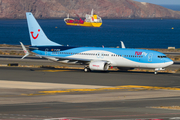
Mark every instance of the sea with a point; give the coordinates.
(135, 33)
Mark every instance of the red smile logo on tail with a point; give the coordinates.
(36, 35)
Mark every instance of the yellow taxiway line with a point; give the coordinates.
(150, 87)
(134, 87)
(167, 107)
(125, 87)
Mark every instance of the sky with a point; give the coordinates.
(161, 2)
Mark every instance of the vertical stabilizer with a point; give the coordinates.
(37, 36)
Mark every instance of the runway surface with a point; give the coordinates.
(113, 78)
(24, 94)
(70, 94)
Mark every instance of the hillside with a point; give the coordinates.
(118, 9)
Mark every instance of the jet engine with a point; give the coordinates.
(99, 65)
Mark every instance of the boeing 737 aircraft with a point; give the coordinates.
(94, 58)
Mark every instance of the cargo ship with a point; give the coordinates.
(89, 21)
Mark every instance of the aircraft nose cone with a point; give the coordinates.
(172, 62)
(168, 62)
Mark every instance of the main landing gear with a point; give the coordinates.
(86, 69)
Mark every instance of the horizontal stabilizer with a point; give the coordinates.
(25, 51)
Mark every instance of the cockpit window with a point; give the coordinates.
(162, 57)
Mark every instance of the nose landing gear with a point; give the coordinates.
(155, 72)
(158, 69)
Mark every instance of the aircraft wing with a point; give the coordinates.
(67, 59)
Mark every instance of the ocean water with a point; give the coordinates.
(135, 33)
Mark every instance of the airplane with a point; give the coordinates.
(93, 58)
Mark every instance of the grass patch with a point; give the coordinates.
(178, 70)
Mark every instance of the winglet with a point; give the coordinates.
(122, 45)
(25, 51)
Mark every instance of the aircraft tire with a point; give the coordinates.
(155, 72)
(86, 69)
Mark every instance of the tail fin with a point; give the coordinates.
(37, 36)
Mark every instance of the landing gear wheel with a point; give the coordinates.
(86, 69)
(155, 72)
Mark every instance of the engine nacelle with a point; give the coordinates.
(99, 65)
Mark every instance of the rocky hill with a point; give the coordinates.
(128, 9)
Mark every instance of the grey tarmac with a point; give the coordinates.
(20, 96)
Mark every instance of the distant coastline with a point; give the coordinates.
(172, 7)
(106, 9)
